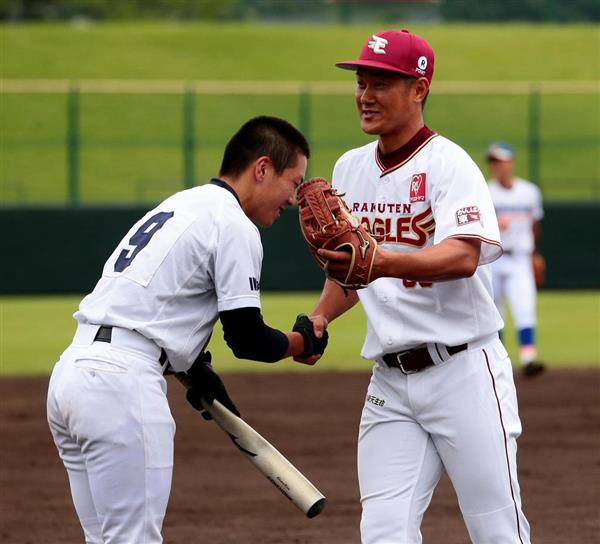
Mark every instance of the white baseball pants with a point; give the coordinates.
(512, 277)
(460, 416)
(111, 422)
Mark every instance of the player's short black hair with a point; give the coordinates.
(269, 136)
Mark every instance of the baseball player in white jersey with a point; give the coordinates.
(518, 205)
(193, 259)
(442, 395)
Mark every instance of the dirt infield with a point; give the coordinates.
(219, 498)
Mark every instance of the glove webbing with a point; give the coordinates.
(324, 218)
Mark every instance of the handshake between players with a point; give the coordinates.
(205, 383)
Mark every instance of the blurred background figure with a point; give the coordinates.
(518, 205)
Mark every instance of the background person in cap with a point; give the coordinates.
(518, 204)
(442, 394)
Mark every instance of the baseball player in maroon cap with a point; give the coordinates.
(442, 394)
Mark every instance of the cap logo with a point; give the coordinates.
(378, 44)
(422, 65)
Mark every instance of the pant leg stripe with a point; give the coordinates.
(512, 493)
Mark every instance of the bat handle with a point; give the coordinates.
(183, 379)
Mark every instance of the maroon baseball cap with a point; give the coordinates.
(395, 51)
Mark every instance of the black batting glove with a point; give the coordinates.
(207, 386)
(312, 344)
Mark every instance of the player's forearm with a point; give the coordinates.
(450, 260)
(249, 337)
(295, 344)
(334, 302)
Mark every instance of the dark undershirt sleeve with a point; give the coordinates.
(249, 337)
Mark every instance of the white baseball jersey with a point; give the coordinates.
(461, 412)
(203, 256)
(428, 191)
(519, 207)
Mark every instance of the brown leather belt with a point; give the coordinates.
(415, 360)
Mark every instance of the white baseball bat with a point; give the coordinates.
(265, 457)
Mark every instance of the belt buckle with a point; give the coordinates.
(401, 364)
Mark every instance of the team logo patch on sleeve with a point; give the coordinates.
(417, 187)
(470, 214)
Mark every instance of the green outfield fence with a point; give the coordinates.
(62, 250)
(115, 141)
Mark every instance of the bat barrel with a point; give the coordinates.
(316, 508)
(265, 457)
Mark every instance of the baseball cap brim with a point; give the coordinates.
(355, 64)
(499, 154)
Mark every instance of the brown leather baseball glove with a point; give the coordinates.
(327, 223)
(539, 268)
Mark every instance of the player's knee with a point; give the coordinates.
(387, 522)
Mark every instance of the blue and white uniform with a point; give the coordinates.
(161, 291)
(518, 208)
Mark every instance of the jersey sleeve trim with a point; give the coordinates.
(490, 249)
(233, 303)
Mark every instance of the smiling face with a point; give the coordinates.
(389, 105)
(275, 192)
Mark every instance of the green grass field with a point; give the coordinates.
(131, 144)
(35, 330)
(155, 50)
